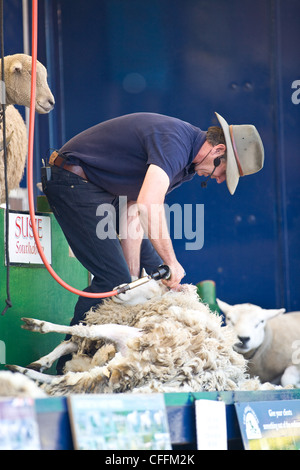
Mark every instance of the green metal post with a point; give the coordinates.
(207, 293)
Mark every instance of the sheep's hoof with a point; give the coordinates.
(31, 324)
(35, 366)
(14, 368)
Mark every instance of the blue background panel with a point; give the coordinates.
(188, 59)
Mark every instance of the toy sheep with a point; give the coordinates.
(17, 75)
(171, 342)
(266, 338)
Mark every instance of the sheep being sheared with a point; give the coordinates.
(269, 340)
(172, 342)
(17, 75)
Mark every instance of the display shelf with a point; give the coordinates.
(55, 431)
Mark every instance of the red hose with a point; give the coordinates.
(30, 167)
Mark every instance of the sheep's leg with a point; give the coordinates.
(73, 382)
(118, 334)
(33, 374)
(115, 377)
(45, 362)
(84, 382)
(42, 326)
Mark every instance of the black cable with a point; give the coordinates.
(7, 300)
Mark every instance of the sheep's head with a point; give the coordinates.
(248, 322)
(18, 83)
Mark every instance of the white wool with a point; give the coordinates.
(18, 385)
(16, 151)
(180, 346)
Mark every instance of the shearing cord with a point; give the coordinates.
(30, 169)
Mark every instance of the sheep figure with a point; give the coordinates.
(170, 342)
(268, 339)
(17, 76)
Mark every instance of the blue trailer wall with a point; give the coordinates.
(190, 58)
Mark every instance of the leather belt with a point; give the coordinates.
(57, 160)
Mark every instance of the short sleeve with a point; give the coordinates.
(167, 151)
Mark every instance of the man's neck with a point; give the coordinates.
(203, 153)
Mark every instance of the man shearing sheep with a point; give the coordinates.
(142, 156)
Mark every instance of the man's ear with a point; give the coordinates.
(219, 149)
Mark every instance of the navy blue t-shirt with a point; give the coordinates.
(115, 154)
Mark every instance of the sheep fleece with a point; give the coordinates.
(16, 150)
(183, 348)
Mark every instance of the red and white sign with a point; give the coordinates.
(22, 246)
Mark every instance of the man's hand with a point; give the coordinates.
(177, 274)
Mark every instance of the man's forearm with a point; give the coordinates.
(153, 220)
(131, 235)
(154, 224)
(132, 251)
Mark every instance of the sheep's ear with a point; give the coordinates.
(143, 273)
(224, 306)
(272, 312)
(16, 67)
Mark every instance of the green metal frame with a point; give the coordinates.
(35, 294)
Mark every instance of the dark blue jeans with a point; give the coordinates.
(74, 202)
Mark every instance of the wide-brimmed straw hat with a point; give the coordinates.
(245, 151)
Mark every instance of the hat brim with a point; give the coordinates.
(232, 171)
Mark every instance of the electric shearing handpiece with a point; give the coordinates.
(161, 272)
